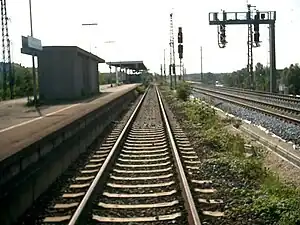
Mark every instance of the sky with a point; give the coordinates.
(139, 30)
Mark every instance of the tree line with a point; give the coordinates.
(22, 79)
(287, 80)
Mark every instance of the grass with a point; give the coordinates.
(141, 89)
(267, 200)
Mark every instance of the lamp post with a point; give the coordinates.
(33, 62)
(90, 24)
(110, 42)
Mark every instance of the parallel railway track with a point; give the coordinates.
(280, 111)
(289, 100)
(248, 103)
(145, 172)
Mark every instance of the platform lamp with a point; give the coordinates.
(90, 24)
(33, 58)
(110, 75)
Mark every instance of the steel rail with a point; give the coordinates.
(99, 175)
(257, 93)
(286, 108)
(288, 118)
(264, 94)
(193, 216)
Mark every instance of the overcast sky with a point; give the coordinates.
(140, 29)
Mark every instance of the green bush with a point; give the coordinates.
(141, 89)
(183, 91)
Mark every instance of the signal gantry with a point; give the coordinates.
(249, 18)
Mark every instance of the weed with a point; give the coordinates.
(183, 91)
(141, 89)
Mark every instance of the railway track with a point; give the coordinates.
(279, 98)
(292, 101)
(280, 111)
(286, 154)
(143, 173)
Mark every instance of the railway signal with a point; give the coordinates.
(249, 18)
(180, 35)
(180, 50)
(256, 29)
(222, 34)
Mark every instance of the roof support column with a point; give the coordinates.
(126, 75)
(116, 68)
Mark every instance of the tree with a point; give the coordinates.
(289, 77)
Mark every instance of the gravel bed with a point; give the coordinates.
(285, 130)
(143, 162)
(141, 174)
(127, 213)
(169, 198)
(180, 221)
(140, 190)
(156, 181)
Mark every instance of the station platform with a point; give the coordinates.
(14, 113)
(21, 126)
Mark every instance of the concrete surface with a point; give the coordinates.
(33, 127)
(15, 112)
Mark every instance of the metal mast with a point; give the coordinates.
(201, 63)
(6, 64)
(250, 49)
(172, 67)
(10, 71)
(3, 52)
(165, 75)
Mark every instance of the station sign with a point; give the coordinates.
(31, 45)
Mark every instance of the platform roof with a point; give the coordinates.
(134, 65)
(75, 48)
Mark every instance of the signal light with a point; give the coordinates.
(180, 35)
(180, 51)
(223, 34)
(256, 37)
(256, 28)
(256, 25)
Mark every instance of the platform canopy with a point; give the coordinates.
(134, 65)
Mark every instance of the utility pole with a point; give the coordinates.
(33, 59)
(3, 52)
(172, 54)
(165, 64)
(161, 71)
(246, 18)
(251, 79)
(201, 75)
(6, 53)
